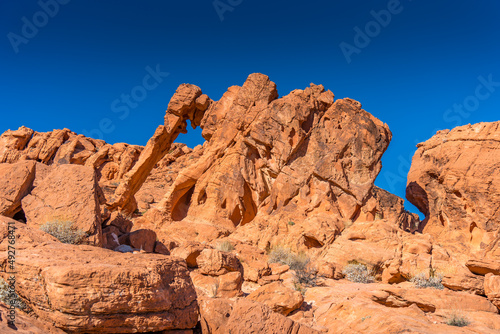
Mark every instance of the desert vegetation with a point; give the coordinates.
(358, 273)
(64, 231)
(432, 279)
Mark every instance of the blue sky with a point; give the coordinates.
(417, 65)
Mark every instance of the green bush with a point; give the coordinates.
(432, 280)
(225, 246)
(358, 273)
(64, 231)
(457, 320)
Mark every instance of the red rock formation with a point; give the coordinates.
(24, 324)
(245, 316)
(92, 290)
(278, 297)
(15, 183)
(188, 103)
(267, 159)
(453, 181)
(67, 193)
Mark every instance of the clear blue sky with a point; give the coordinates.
(73, 65)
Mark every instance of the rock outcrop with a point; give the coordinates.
(67, 193)
(15, 183)
(86, 289)
(220, 316)
(453, 181)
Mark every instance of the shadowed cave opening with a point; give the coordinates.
(20, 216)
(180, 210)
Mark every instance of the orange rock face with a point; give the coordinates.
(25, 324)
(92, 290)
(245, 316)
(16, 182)
(278, 297)
(453, 181)
(302, 157)
(68, 192)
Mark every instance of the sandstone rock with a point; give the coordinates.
(140, 239)
(276, 148)
(278, 269)
(222, 286)
(13, 142)
(121, 222)
(254, 262)
(88, 289)
(182, 106)
(110, 237)
(230, 284)
(344, 307)
(492, 288)
(189, 253)
(428, 300)
(24, 324)
(483, 266)
(279, 298)
(20, 236)
(213, 262)
(452, 181)
(163, 175)
(160, 248)
(69, 192)
(245, 316)
(16, 181)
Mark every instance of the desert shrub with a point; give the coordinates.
(291, 223)
(358, 273)
(283, 255)
(225, 246)
(6, 296)
(457, 320)
(64, 231)
(307, 277)
(300, 263)
(431, 280)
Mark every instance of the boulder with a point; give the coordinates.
(67, 193)
(222, 286)
(492, 288)
(344, 307)
(16, 181)
(141, 239)
(453, 181)
(12, 143)
(94, 290)
(245, 316)
(278, 297)
(24, 324)
(483, 266)
(213, 262)
(20, 236)
(189, 253)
